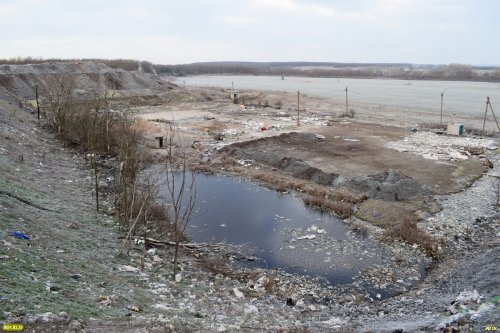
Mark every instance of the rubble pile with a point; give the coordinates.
(441, 147)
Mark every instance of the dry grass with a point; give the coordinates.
(282, 184)
(158, 216)
(360, 227)
(269, 284)
(410, 233)
(145, 126)
(348, 197)
(319, 197)
(342, 209)
(385, 214)
(216, 265)
(281, 188)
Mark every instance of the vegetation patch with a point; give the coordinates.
(384, 213)
(408, 231)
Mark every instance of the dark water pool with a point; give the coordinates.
(279, 230)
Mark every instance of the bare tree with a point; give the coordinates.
(129, 154)
(57, 102)
(181, 189)
(100, 103)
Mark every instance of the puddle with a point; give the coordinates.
(279, 230)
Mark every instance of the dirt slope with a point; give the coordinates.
(19, 80)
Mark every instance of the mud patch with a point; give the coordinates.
(382, 213)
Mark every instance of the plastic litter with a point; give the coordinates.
(20, 235)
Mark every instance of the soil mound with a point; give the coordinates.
(390, 185)
(249, 150)
(20, 80)
(300, 169)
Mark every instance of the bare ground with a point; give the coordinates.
(71, 266)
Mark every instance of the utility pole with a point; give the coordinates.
(488, 104)
(346, 102)
(298, 108)
(37, 103)
(441, 119)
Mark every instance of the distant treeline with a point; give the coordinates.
(397, 71)
(403, 71)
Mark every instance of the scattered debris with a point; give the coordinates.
(238, 293)
(20, 235)
(308, 237)
(105, 300)
(438, 147)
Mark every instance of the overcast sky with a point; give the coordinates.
(185, 31)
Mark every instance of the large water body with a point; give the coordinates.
(461, 97)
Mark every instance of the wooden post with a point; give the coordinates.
(37, 103)
(488, 104)
(346, 103)
(93, 162)
(442, 96)
(491, 108)
(485, 112)
(298, 108)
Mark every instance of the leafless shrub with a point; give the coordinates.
(180, 187)
(57, 102)
(157, 216)
(215, 129)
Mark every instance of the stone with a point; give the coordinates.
(453, 309)
(466, 297)
(250, 309)
(75, 325)
(334, 321)
(238, 293)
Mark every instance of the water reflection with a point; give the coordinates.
(278, 229)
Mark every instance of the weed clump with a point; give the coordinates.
(410, 233)
(342, 209)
